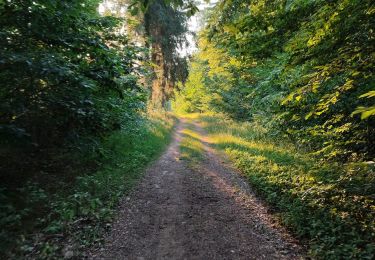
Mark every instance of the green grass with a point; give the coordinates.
(36, 221)
(191, 146)
(328, 204)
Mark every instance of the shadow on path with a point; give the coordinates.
(202, 212)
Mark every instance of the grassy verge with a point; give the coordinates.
(331, 205)
(50, 223)
(191, 147)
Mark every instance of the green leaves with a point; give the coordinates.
(331, 204)
(53, 59)
(68, 81)
(322, 53)
(79, 209)
(366, 111)
(304, 73)
(368, 94)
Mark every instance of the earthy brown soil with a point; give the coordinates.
(204, 211)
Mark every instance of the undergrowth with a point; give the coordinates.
(329, 204)
(51, 222)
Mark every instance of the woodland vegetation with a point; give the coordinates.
(286, 88)
(74, 128)
(292, 87)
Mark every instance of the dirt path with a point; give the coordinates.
(200, 212)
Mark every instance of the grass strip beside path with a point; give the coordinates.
(67, 219)
(329, 204)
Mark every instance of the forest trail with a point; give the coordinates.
(203, 210)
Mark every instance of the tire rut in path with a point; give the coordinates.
(201, 212)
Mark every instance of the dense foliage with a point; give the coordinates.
(67, 77)
(331, 206)
(166, 26)
(63, 218)
(302, 66)
(74, 134)
(300, 74)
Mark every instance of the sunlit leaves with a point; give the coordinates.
(324, 70)
(365, 112)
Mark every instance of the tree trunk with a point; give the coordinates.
(158, 96)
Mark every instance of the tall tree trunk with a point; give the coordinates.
(158, 96)
(166, 28)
